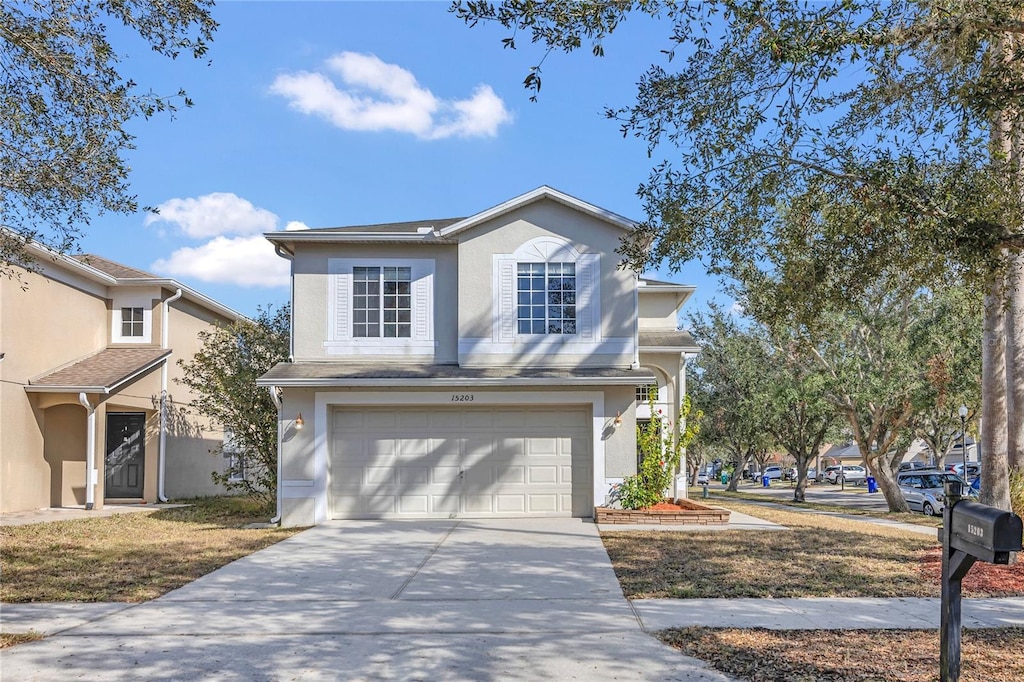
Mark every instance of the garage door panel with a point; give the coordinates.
(543, 504)
(427, 462)
(543, 474)
(414, 504)
(510, 504)
(511, 474)
(478, 504)
(413, 476)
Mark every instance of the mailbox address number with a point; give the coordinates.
(462, 397)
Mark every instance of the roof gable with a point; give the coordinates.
(541, 193)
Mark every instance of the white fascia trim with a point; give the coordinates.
(541, 192)
(294, 237)
(319, 489)
(458, 382)
(188, 293)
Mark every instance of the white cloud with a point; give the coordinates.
(737, 309)
(294, 225)
(214, 214)
(244, 261)
(379, 96)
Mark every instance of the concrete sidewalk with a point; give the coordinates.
(817, 613)
(822, 613)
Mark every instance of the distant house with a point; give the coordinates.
(88, 350)
(492, 365)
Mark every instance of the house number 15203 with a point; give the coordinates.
(462, 397)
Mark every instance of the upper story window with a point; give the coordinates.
(380, 306)
(382, 302)
(131, 317)
(546, 295)
(132, 322)
(546, 292)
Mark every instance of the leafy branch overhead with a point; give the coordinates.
(65, 104)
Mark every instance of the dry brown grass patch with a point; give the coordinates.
(819, 556)
(762, 655)
(128, 557)
(8, 639)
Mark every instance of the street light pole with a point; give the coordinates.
(963, 436)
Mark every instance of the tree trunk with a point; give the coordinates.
(881, 467)
(995, 486)
(1015, 364)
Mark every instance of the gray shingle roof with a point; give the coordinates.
(410, 226)
(680, 340)
(113, 269)
(101, 371)
(353, 374)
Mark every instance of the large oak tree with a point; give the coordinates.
(911, 107)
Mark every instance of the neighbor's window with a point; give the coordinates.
(131, 322)
(234, 462)
(546, 295)
(382, 302)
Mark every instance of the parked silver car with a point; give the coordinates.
(924, 490)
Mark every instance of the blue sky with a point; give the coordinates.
(339, 113)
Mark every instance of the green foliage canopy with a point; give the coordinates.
(64, 103)
(223, 376)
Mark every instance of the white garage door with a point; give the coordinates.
(469, 462)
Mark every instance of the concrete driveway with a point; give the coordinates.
(366, 600)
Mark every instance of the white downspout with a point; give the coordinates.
(277, 402)
(636, 321)
(90, 452)
(165, 325)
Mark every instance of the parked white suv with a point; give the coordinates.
(773, 472)
(851, 473)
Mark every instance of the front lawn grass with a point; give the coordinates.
(762, 655)
(129, 557)
(819, 556)
(908, 517)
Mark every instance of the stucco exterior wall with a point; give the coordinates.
(53, 318)
(66, 323)
(659, 310)
(504, 235)
(310, 308)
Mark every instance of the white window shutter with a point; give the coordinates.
(587, 297)
(423, 316)
(506, 300)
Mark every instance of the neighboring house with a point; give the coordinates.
(89, 347)
(480, 366)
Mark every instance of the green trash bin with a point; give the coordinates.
(725, 478)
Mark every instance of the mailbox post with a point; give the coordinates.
(970, 531)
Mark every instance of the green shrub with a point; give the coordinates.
(660, 456)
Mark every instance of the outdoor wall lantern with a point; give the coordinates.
(299, 423)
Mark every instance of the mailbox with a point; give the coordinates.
(985, 532)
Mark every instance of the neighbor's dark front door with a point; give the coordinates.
(126, 454)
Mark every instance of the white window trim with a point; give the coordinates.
(144, 302)
(339, 309)
(504, 302)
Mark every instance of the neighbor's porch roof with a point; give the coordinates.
(102, 372)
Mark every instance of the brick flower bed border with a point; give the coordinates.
(694, 514)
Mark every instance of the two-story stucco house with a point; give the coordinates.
(480, 366)
(89, 348)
